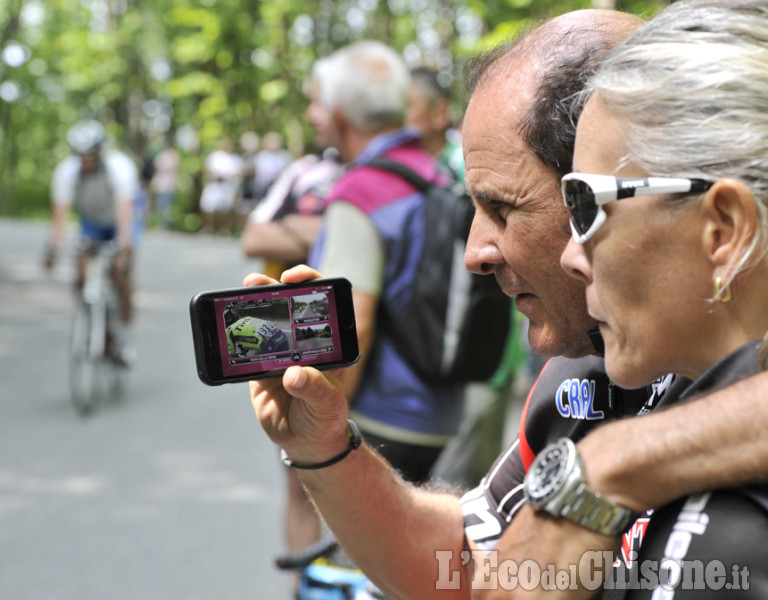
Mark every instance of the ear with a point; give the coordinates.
(730, 214)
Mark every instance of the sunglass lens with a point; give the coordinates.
(581, 203)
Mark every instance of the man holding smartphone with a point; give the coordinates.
(415, 544)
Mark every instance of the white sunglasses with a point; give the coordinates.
(585, 194)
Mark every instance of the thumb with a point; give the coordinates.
(321, 390)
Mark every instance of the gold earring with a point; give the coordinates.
(722, 294)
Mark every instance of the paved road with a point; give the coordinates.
(173, 492)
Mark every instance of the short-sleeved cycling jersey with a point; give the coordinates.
(95, 195)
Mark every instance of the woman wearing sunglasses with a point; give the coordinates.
(669, 213)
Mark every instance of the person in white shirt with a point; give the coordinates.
(101, 184)
(223, 168)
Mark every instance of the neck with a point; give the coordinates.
(354, 142)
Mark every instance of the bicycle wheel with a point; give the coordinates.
(85, 359)
(113, 369)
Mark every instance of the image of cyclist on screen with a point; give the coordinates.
(250, 336)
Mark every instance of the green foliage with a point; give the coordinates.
(219, 67)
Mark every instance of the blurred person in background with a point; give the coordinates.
(285, 223)
(222, 177)
(163, 184)
(102, 185)
(270, 162)
(365, 89)
(249, 146)
(429, 110)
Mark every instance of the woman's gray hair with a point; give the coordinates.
(692, 87)
(369, 82)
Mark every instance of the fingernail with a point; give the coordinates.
(297, 378)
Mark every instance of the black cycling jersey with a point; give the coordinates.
(569, 399)
(710, 544)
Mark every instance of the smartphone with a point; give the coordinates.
(248, 333)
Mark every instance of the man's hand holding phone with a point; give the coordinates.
(304, 412)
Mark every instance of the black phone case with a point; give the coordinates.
(205, 332)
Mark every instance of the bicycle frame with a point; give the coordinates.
(93, 373)
(95, 293)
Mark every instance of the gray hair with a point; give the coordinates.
(368, 82)
(318, 74)
(564, 52)
(692, 87)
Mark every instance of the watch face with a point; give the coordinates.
(546, 474)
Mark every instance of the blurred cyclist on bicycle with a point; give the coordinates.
(102, 186)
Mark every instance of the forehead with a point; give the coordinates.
(600, 140)
(497, 158)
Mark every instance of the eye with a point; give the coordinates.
(500, 210)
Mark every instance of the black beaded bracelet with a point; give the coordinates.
(354, 444)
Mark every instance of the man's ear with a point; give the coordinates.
(731, 217)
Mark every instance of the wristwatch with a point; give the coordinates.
(555, 484)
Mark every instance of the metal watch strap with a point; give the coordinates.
(564, 493)
(594, 512)
(354, 444)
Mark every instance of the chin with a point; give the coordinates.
(625, 373)
(545, 343)
(548, 342)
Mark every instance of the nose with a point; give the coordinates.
(482, 253)
(575, 261)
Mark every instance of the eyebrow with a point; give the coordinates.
(482, 197)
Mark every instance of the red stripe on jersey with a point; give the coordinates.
(526, 454)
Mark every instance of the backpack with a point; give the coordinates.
(455, 326)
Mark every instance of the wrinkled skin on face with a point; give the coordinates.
(521, 224)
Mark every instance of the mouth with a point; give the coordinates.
(597, 341)
(515, 288)
(603, 328)
(524, 301)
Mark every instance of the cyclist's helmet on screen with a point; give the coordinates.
(86, 137)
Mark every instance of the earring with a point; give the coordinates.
(721, 294)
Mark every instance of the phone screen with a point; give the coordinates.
(262, 331)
